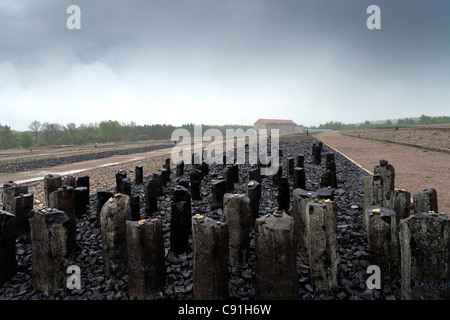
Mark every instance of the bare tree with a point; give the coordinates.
(35, 126)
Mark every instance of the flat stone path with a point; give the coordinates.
(415, 169)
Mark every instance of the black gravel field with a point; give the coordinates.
(96, 285)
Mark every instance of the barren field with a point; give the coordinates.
(430, 138)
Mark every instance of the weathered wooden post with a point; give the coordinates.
(151, 196)
(180, 226)
(299, 178)
(48, 249)
(321, 225)
(276, 275)
(139, 174)
(210, 241)
(425, 201)
(62, 199)
(382, 238)
(425, 252)
(51, 183)
(300, 200)
(8, 262)
(146, 264)
(284, 195)
(253, 192)
(218, 189)
(236, 209)
(113, 218)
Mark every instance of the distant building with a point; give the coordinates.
(284, 126)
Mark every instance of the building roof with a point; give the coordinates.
(277, 121)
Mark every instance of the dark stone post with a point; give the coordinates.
(425, 252)
(70, 181)
(210, 240)
(382, 238)
(301, 160)
(237, 216)
(425, 201)
(157, 176)
(151, 198)
(253, 192)
(48, 249)
(125, 186)
(135, 206)
(254, 174)
(146, 264)
(321, 224)
(276, 276)
(284, 195)
(80, 200)
(196, 182)
(102, 197)
(387, 174)
(299, 178)
(229, 177)
(122, 174)
(290, 161)
(180, 168)
(51, 183)
(180, 226)
(21, 207)
(139, 174)
(218, 189)
(83, 181)
(300, 200)
(181, 193)
(8, 263)
(113, 217)
(277, 176)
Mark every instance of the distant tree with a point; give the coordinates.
(34, 127)
(51, 132)
(26, 140)
(110, 131)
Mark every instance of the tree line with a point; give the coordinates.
(422, 120)
(46, 134)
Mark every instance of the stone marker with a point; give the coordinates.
(62, 199)
(139, 174)
(277, 176)
(276, 276)
(196, 182)
(218, 189)
(321, 225)
(20, 208)
(181, 193)
(299, 178)
(254, 174)
(180, 168)
(425, 252)
(49, 253)
(387, 174)
(236, 209)
(125, 186)
(184, 183)
(210, 240)
(146, 264)
(425, 201)
(8, 197)
(401, 204)
(180, 226)
(235, 172)
(83, 181)
(325, 193)
(300, 160)
(157, 176)
(373, 191)
(253, 192)
(229, 177)
(70, 181)
(121, 174)
(284, 194)
(135, 206)
(382, 238)
(317, 153)
(164, 175)
(151, 198)
(113, 216)
(51, 183)
(8, 262)
(102, 197)
(290, 162)
(80, 200)
(300, 200)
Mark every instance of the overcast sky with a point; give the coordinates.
(222, 61)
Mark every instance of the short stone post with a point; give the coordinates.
(373, 191)
(254, 174)
(102, 197)
(276, 276)
(125, 186)
(300, 160)
(284, 195)
(62, 199)
(235, 172)
(382, 238)
(321, 224)
(113, 217)
(51, 183)
(181, 193)
(196, 182)
(253, 192)
(401, 204)
(8, 197)
(300, 200)
(218, 189)
(21, 207)
(229, 177)
(151, 198)
(387, 174)
(83, 181)
(164, 175)
(425, 252)
(317, 153)
(180, 226)
(146, 264)
(157, 176)
(425, 201)
(299, 178)
(290, 162)
(180, 168)
(135, 206)
(277, 176)
(80, 200)
(236, 209)
(184, 183)
(70, 181)
(122, 174)
(8, 262)
(210, 240)
(49, 254)
(139, 174)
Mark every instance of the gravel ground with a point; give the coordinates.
(96, 285)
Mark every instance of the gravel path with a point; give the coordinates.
(415, 169)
